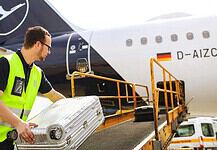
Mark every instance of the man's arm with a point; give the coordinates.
(22, 127)
(48, 91)
(53, 95)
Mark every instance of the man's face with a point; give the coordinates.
(45, 48)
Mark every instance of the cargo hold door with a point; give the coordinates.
(78, 52)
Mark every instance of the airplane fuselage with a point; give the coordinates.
(124, 53)
(191, 43)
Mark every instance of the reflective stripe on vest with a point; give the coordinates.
(16, 111)
(15, 97)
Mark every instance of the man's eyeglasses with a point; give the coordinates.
(49, 47)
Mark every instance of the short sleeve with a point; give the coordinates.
(45, 85)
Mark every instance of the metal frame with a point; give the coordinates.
(175, 112)
(76, 74)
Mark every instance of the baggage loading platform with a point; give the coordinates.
(119, 131)
(126, 135)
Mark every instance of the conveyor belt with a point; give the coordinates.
(122, 136)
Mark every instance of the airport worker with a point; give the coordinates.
(20, 82)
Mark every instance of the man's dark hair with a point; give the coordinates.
(34, 34)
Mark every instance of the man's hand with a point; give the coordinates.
(24, 131)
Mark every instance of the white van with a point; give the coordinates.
(196, 133)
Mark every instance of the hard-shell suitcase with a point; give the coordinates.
(65, 124)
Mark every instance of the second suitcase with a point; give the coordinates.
(144, 113)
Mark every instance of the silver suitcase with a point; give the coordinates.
(65, 124)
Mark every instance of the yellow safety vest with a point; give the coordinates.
(15, 97)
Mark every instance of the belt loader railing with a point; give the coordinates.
(125, 114)
(165, 135)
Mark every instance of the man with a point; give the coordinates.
(20, 82)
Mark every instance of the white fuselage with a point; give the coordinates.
(193, 61)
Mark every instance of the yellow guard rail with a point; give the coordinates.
(175, 112)
(121, 115)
